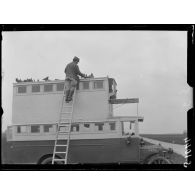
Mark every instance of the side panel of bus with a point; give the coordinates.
(27, 152)
(81, 151)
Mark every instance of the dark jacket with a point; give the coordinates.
(72, 71)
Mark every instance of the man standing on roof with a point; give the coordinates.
(72, 79)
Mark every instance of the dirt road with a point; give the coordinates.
(177, 148)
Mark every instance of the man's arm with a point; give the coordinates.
(79, 72)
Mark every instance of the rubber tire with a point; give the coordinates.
(158, 158)
(48, 160)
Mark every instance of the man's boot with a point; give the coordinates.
(70, 95)
(67, 95)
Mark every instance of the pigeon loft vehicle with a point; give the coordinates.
(96, 135)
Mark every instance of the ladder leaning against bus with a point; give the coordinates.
(71, 82)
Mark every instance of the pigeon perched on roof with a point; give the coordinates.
(46, 79)
(18, 80)
(90, 76)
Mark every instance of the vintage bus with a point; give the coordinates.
(97, 136)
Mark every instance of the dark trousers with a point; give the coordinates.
(70, 85)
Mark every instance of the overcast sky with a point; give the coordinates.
(149, 65)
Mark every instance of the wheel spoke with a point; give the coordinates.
(159, 160)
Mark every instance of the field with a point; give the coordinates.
(170, 138)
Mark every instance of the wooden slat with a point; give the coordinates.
(124, 101)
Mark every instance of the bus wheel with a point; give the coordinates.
(48, 160)
(159, 160)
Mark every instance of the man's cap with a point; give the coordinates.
(76, 59)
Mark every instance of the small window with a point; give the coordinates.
(48, 88)
(112, 126)
(21, 129)
(75, 127)
(35, 88)
(100, 126)
(60, 86)
(47, 128)
(22, 89)
(85, 85)
(86, 125)
(128, 127)
(35, 129)
(98, 85)
(111, 87)
(18, 129)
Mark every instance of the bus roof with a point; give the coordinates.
(57, 81)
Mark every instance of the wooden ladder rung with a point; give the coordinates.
(63, 122)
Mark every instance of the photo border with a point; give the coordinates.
(116, 27)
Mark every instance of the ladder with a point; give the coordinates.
(65, 120)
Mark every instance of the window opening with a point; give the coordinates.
(60, 86)
(35, 88)
(128, 127)
(112, 126)
(98, 85)
(85, 85)
(47, 128)
(100, 126)
(75, 127)
(35, 129)
(86, 125)
(22, 89)
(48, 88)
(21, 129)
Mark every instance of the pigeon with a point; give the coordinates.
(90, 76)
(46, 79)
(18, 80)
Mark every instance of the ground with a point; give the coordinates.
(170, 138)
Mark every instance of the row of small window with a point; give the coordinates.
(34, 129)
(49, 128)
(60, 87)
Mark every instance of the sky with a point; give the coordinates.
(149, 65)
